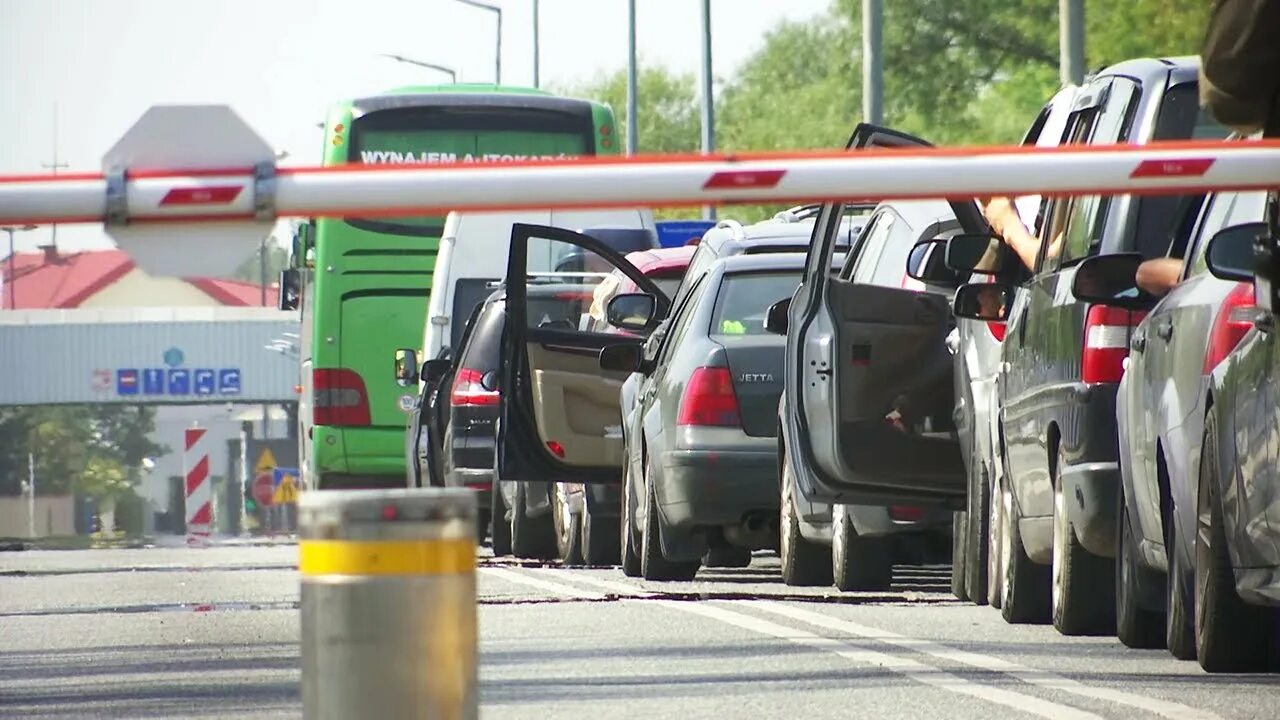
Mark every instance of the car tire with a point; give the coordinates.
(977, 528)
(564, 526)
(499, 524)
(804, 563)
(858, 563)
(629, 554)
(727, 556)
(1026, 587)
(533, 538)
(653, 564)
(598, 537)
(1136, 626)
(995, 563)
(1230, 635)
(1083, 585)
(959, 553)
(1179, 619)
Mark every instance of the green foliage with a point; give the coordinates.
(277, 259)
(96, 450)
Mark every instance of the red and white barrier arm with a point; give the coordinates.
(865, 175)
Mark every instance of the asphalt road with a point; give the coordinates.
(214, 633)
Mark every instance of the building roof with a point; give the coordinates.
(54, 280)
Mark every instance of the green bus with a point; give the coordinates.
(363, 283)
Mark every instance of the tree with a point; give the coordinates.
(667, 106)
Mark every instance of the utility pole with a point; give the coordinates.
(633, 92)
(497, 62)
(31, 494)
(872, 61)
(537, 81)
(54, 167)
(708, 99)
(1071, 41)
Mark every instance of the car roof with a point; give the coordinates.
(921, 213)
(1184, 68)
(767, 261)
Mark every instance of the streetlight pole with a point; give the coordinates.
(537, 81)
(633, 93)
(872, 67)
(453, 74)
(497, 62)
(1071, 41)
(708, 101)
(13, 263)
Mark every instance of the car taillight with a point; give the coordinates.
(339, 398)
(1234, 319)
(709, 399)
(906, 513)
(1106, 343)
(468, 389)
(997, 330)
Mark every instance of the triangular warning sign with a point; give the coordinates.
(287, 492)
(266, 461)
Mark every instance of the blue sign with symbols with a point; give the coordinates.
(153, 381)
(229, 381)
(179, 381)
(205, 381)
(127, 382)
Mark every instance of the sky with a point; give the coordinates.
(280, 63)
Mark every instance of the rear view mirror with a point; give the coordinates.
(627, 357)
(976, 253)
(775, 321)
(406, 367)
(984, 301)
(290, 285)
(303, 245)
(926, 263)
(1231, 254)
(632, 311)
(1111, 280)
(433, 370)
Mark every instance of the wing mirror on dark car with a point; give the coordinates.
(775, 321)
(625, 357)
(969, 252)
(1112, 280)
(927, 263)
(1231, 254)
(631, 311)
(984, 301)
(406, 367)
(434, 370)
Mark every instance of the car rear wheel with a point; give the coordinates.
(959, 553)
(565, 525)
(1083, 583)
(628, 550)
(1179, 628)
(858, 563)
(499, 525)
(1136, 626)
(598, 536)
(977, 529)
(995, 561)
(1230, 635)
(531, 537)
(804, 563)
(653, 564)
(1026, 584)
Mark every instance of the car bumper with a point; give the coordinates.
(717, 487)
(1091, 493)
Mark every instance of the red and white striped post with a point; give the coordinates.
(199, 491)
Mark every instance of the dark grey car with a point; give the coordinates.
(706, 430)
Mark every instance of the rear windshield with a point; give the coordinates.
(483, 347)
(744, 300)
(467, 294)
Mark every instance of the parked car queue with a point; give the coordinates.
(1106, 471)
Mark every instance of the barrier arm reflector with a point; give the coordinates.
(203, 194)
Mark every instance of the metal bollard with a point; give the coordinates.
(388, 603)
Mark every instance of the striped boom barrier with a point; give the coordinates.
(199, 488)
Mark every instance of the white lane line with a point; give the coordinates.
(907, 667)
(545, 585)
(1164, 708)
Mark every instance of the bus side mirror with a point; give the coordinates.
(290, 289)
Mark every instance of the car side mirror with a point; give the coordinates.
(1231, 253)
(983, 301)
(631, 311)
(489, 381)
(927, 263)
(433, 370)
(406, 367)
(969, 252)
(290, 285)
(625, 357)
(1111, 280)
(775, 320)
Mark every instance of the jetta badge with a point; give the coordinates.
(756, 377)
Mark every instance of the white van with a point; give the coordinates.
(473, 254)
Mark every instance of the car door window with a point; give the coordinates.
(698, 264)
(891, 267)
(1085, 216)
(1227, 209)
(680, 321)
(860, 264)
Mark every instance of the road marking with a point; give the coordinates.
(921, 672)
(1172, 710)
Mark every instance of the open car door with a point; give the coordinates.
(560, 413)
(863, 354)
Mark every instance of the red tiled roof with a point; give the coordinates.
(235, 293)
(42, 280)
(69, 279)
